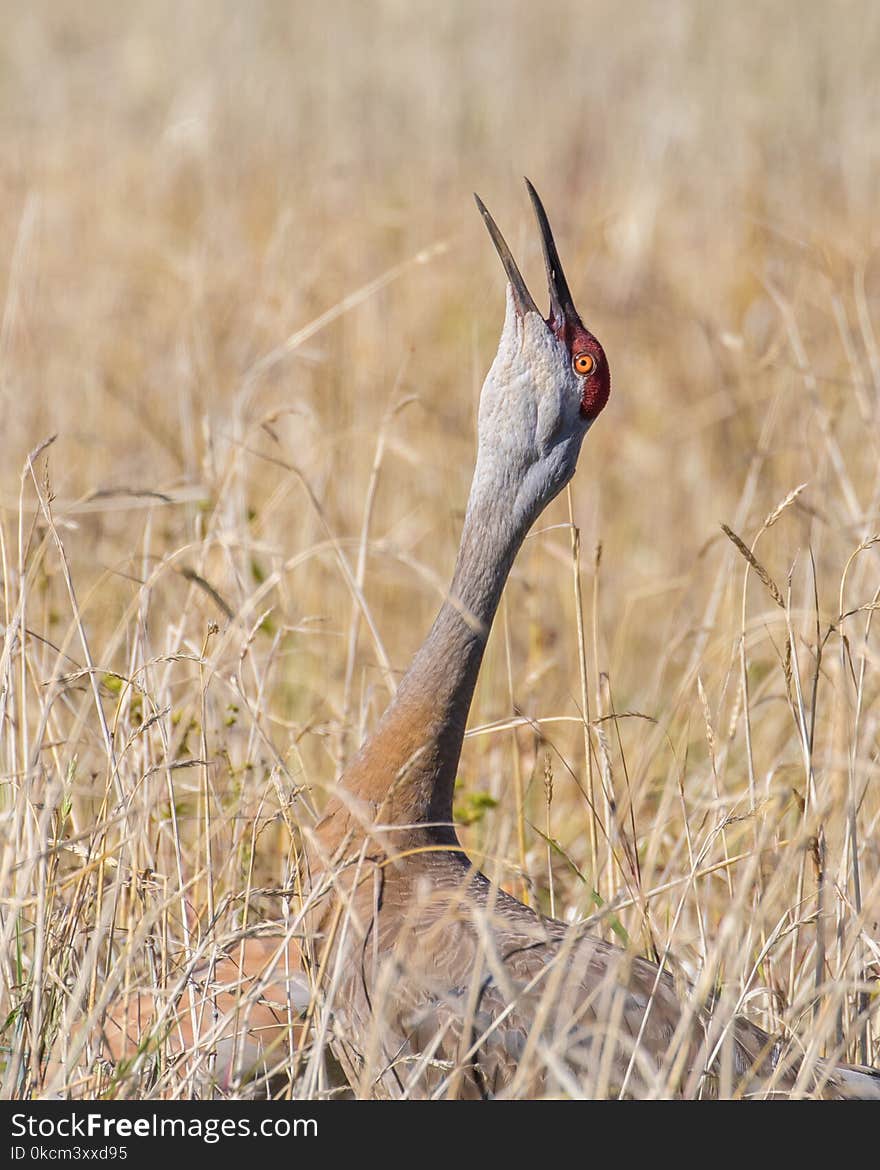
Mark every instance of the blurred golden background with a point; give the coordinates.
(246, 288)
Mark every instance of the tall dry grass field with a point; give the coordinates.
(247, 307)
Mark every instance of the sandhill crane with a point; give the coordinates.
(439, 982)
(436, 982)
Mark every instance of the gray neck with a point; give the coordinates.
(444, 672)
(530, 435)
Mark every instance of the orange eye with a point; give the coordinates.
(584, 363)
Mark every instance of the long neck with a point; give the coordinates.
(408, 767)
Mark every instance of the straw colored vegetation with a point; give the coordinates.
(247, 308)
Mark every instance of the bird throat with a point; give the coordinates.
(407, 768)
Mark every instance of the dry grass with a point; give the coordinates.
(215, 572)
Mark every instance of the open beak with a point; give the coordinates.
(562, 308)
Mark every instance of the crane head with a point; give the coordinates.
(583, 363)
(547, 385)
